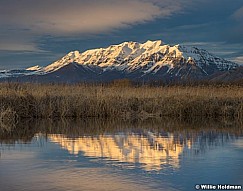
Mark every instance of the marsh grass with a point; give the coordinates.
(119, 101)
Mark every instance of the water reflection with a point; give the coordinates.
(147, 145)
(117, 155)
(149, 150)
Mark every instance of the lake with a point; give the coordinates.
(117, 155)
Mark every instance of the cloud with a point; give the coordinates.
(17, 40)
(23, 22)
(61, 17)
(238, 14)
(238, 59)
(18, 47)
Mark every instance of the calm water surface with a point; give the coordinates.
(119, 156)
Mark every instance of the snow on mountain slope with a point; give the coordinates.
(34, 68)
(152, 60)
(18, 73)
(146, 58)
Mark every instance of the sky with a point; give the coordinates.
(38, 32)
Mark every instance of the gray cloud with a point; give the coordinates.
(238, 59)
(33, 18)
(238, 14)
(58, 26)
(14, 39)
(61, 17)
(19, 46)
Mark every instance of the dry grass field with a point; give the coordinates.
(119, 101)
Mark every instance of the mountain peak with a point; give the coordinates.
(148, 57)
(148, 60)
(74, 54)
(152, 44)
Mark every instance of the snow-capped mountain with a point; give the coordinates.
(152, 60)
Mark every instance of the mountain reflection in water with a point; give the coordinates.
(119, 155)
(149, 150)
(152, 146)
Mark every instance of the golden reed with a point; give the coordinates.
(119, 100)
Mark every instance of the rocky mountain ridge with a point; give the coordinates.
(152, 60)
